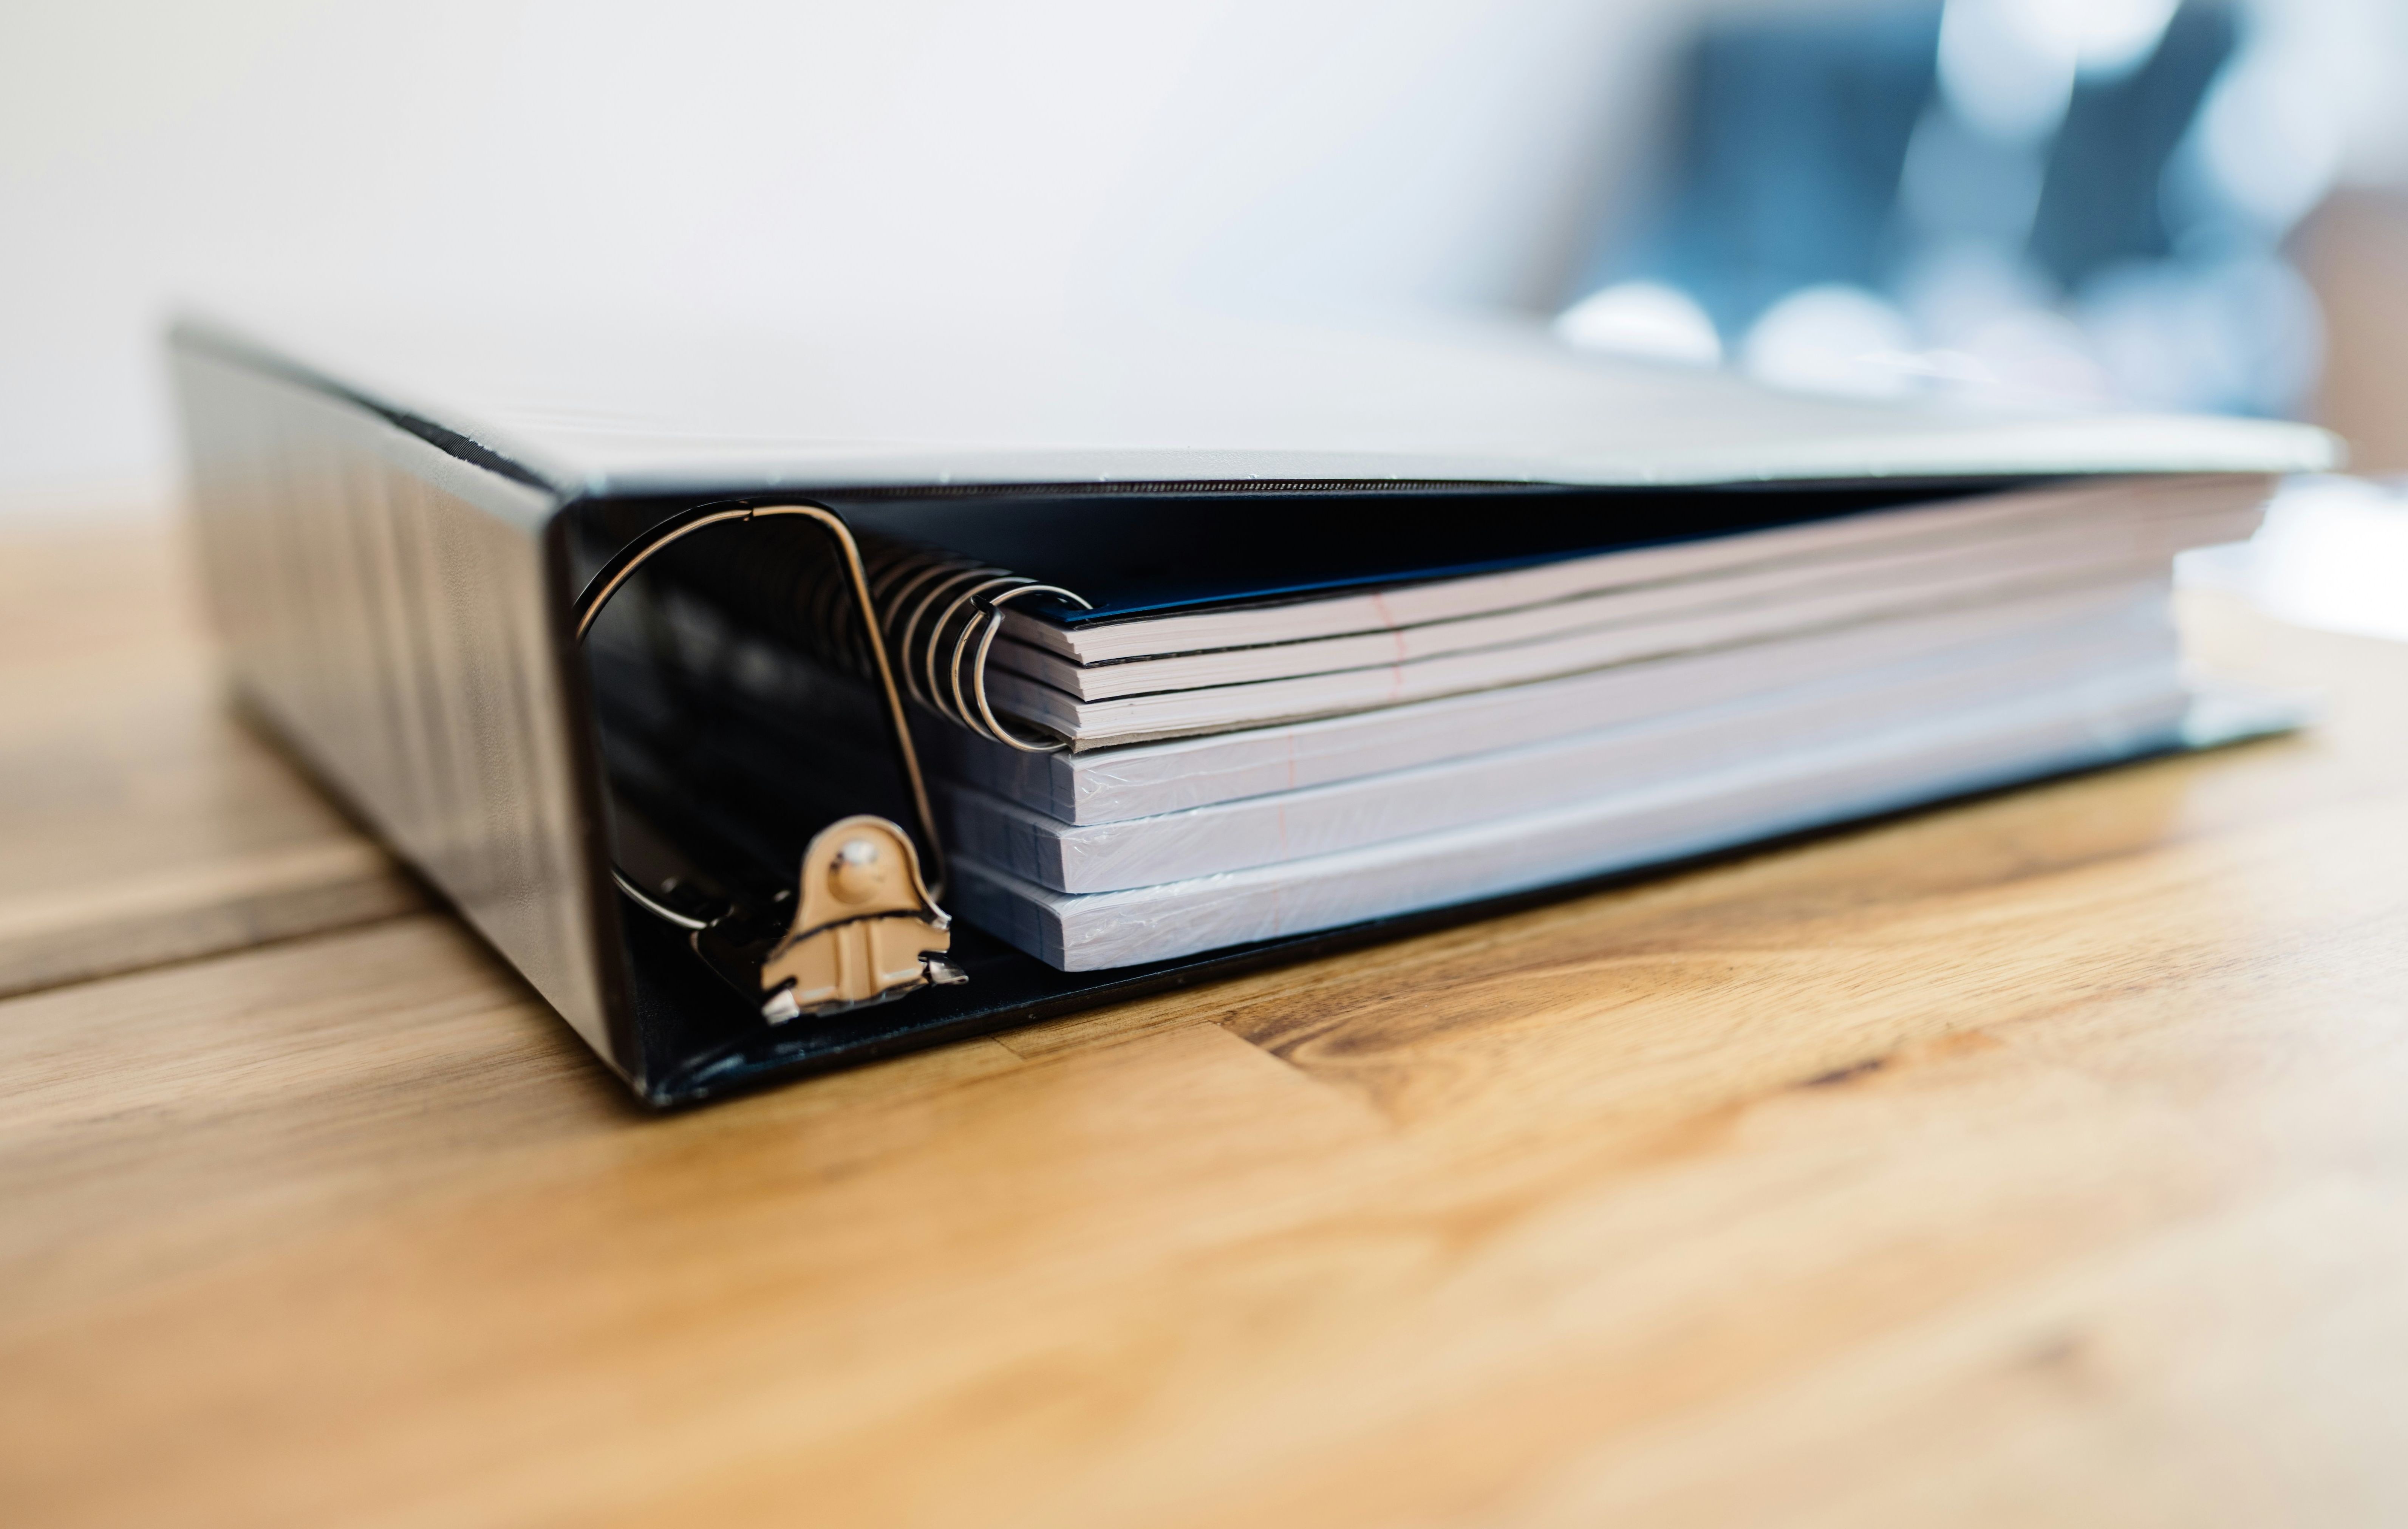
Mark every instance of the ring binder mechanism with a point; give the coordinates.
(924, 595)
(866, 927)
(940, 614)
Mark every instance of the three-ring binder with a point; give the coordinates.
(723, 865)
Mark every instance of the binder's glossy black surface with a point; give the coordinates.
(395, 599)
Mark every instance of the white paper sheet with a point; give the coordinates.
(1326, 819)
(1933, 759)
(1108, 786)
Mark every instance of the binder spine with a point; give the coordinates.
(387, 611)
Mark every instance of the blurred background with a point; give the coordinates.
(1999, 203)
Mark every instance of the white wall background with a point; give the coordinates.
(745, 157)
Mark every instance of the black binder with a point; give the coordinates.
(404, 533)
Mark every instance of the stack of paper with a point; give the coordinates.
(1250, 770)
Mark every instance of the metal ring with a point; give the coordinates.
(982, 578)
(623, 566)
(971, 627)
(956, 575)
(900, 581)
(986, 646)
(961, 711)
(661, 911)
(888, 586)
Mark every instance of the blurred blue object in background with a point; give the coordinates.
(2045, 202)
(1791, 136)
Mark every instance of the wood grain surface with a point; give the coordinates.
(2037, 1161)
(139, 822)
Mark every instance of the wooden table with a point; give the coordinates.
(2040, 1161)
